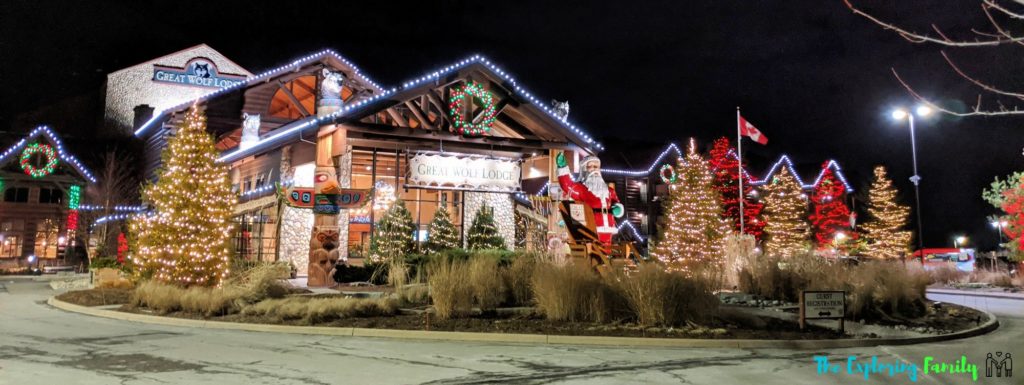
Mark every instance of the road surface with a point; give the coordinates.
(43, 345)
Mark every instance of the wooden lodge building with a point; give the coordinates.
(41, 185)
(405, 142)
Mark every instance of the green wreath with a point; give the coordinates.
(670, 177)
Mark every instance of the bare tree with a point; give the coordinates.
(117, 185)
(995, 34)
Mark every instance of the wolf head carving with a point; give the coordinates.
(561, 109)
(330, 86)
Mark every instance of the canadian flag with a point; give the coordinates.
(747, 129)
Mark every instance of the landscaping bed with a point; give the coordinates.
(731, 322)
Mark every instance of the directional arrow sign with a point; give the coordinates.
(824, 304)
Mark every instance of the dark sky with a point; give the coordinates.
(814, 77)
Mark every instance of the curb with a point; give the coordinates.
(990, 325)
(973, 294)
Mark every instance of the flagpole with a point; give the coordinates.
(739, 163)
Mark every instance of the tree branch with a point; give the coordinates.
(919, 38)
(975, 111)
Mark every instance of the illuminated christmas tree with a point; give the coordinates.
(727, 176)
(830, 214)
(785, 212)
(483, 233)
(885, 232)
(442, 234)
(692, 231)
(185, 239)
(392, 236)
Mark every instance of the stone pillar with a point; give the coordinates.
(504, 217)
(324, 241)
(344, 171)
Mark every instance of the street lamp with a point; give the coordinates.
(900, 114)
(999, 225)
(959, 241)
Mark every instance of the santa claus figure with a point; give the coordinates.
(592, 190)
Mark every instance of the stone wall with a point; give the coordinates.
(134, 85)
(504, 216)
(296, 227)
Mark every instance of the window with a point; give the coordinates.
(51, 195)
(256, 234)
(16, 194)
(47, 240)
(10, 247)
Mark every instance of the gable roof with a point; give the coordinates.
(261, 77)
(298, 126)
(197, 46)
(783, 161)
(11, 152)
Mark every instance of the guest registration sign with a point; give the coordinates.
(822, 305)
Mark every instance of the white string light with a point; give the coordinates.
(65, 156)
(633, 229)
(316, 121)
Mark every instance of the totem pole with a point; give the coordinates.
(324, 245)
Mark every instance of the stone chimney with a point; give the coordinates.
(143, 113)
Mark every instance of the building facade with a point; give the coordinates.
(460, 137)
(41, 184)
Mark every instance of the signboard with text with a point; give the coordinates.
(824, 304)
(198, 72)
(464, 172)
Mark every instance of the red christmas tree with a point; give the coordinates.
(830, 212)
(122, 247)
(727, 175)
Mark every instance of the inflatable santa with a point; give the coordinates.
(592, 190)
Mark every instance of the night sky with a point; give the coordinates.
(814, 77)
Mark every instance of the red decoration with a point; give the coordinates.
(122, 247)
(727, 183)
(72, 220)
(830, 212)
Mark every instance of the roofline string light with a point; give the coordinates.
(260, 77)
(316, 121)
(65, 156)
(635, 233)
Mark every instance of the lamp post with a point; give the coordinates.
(900, 114)
(959, 241)
(999, 225)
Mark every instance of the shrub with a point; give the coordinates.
(945, 274)
(659, 297)
(1000, 279)
(486, 281)
(518, 276)
(317, 310)
(451, 294)
(262, 281)
(344, 273)
(574, 292)
(414, 294)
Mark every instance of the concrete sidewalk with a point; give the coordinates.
(976, 293)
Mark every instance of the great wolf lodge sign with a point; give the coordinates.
(198, 72)
(464, 172)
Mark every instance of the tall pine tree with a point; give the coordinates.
(727, 177)
(830, 214)
(886, 237)
(442, 234)
(483, 233)
(392, 237)
(692, 231)
(786, 230)
(185, 239)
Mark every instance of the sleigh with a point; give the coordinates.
(585, 244)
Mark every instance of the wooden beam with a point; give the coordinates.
(435, 100)
(398, 118)
(291, 96)
(391, 132)
(424, 122)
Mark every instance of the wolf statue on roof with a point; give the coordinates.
(591, 189)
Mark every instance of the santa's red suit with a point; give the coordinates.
(602, 207)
